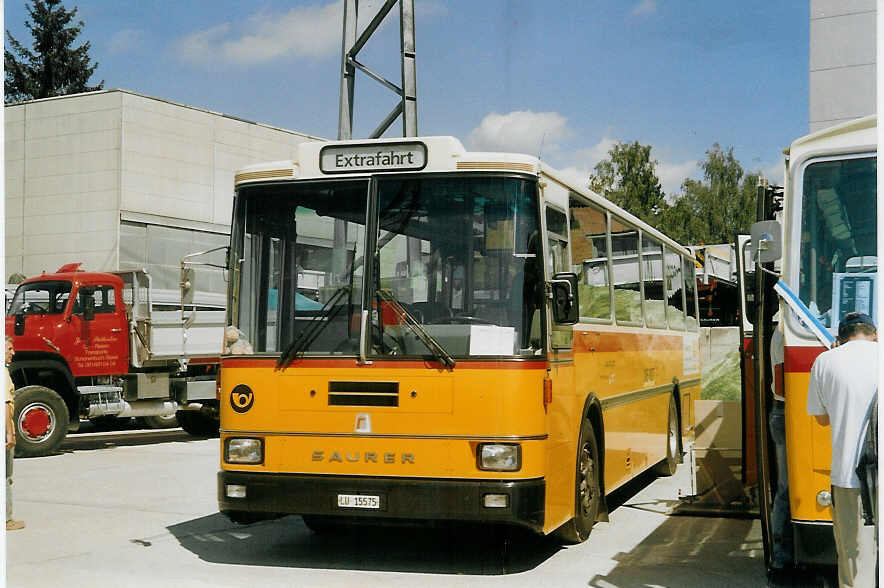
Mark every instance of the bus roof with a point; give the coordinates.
(363, 157)
(854, 135)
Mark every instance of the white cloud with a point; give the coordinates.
(125, 40)
(521, 131)
(644, 7)
(312, 31)
(774, 173)
(672, 174)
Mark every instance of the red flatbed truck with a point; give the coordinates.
(90, 345)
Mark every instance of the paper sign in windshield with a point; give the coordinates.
(491, 340)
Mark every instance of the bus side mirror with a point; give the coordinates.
(20, 322)
(565, 301)
(767, 241)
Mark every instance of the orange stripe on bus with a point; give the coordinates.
(585, 341)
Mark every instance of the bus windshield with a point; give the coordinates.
(454, 265)
(838, 239)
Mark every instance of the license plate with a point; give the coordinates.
(359, 501)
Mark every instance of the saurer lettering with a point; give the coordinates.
(367, 457)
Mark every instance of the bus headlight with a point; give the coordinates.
(824, 498)
(244, 450)
(499, 457)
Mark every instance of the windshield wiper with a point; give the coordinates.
(308, 335)
(428, 340)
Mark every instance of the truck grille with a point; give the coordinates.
(363, 393)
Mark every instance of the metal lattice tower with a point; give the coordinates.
(350, 48)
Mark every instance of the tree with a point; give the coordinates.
(628, 178)
(716, 208)
(54, 67)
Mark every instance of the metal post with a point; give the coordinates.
(409, 72)
(350, 47)
(761, 355)
(348, 71)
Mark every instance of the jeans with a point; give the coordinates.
(9, 453)
(781, 525)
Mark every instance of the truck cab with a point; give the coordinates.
(95, 344)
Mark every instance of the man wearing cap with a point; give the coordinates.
(843, 384)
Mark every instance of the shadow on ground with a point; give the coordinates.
(700, 551)
(124, 439)
(444, 549)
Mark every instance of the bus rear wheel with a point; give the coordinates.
(587, 489)
(669, 463)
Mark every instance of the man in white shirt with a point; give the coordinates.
(843, 384)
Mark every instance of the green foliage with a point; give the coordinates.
(716, 208)
(54, 67)
(628, 179)
(721, 378)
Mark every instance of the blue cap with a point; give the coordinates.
(855, 318)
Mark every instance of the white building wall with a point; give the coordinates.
(78, 167)
(62, 182)
(842, 61)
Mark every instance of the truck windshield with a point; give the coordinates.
(49, 297)
(454, 265)
(838, 266)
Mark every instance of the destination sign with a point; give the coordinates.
(379, 157)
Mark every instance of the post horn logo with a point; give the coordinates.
(241, 398)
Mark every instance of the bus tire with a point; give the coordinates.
(670, 462)
(587, 489)
(41, 421)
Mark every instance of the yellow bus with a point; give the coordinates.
(829, 261)
(421, 332)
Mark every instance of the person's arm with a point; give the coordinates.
(10, 425)
(815, 404)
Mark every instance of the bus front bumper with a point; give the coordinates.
(398, 498)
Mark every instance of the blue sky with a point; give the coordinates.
(563, 79)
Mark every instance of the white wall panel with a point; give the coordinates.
(74, 163)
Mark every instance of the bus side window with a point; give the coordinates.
(690, 294)
(652, 268)
(625, 273)
(588, 234)
(674, 290)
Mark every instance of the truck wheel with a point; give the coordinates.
(587, 489)
(41, 421)
(669, 463)
(159, 422)
(197, 424)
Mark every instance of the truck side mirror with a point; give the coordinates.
(767, 241)
(20, 322)
(186, 282)
(565, 301)
(87, 303)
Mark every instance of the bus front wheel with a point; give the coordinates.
(587, 489)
